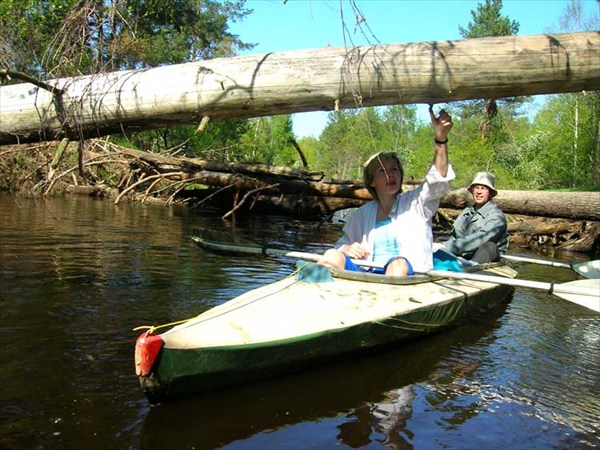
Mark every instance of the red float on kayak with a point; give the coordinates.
(147, 348)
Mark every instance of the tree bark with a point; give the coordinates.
(306, 80)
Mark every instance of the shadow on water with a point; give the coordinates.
(351, 392)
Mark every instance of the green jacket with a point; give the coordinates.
(472, 228)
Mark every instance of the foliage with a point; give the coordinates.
(566, 138)
(268, 141)
(488, 22)
(28, 31)
(218, 142)
(312, 148)
(546, 154)
(58, 38)
(569, 125)
(340, 156)
(351, 136)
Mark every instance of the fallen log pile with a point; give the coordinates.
(538, 233)
(563, 220)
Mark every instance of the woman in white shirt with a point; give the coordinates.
(394, 229)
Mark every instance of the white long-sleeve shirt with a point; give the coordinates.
(411, 217)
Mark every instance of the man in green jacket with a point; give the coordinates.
(480, 232)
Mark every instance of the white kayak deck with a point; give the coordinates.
(291, 308)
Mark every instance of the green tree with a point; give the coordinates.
(339, 156)
(566, 136)
(268, 140)
(68, 37)
(61, 38)
(311, 147)
(399, 127)
(218, 142)
(153, 32)
(568, 125)
(487, 21)
(29, 32)
(351, 136)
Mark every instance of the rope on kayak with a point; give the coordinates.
(152, 328)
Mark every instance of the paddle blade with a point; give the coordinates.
(589, 269)
(589, 301)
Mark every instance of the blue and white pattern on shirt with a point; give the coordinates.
(385, 246)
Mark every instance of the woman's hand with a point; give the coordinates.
(441, 124)
(355, 251)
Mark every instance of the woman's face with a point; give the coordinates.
(387, 178)
(481, 195)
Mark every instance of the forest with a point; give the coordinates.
(557, 148)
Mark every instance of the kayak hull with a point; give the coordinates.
(294, 324)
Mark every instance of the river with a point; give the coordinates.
(78, 274)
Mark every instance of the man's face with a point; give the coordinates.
(481, 195)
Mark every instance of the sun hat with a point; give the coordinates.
(485, 179)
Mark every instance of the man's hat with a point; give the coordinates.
(485, 179)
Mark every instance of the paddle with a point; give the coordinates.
(582, 292)
(253, 249)
(589, 269)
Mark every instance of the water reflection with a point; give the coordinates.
(388, 417)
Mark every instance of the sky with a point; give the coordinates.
(276, 26)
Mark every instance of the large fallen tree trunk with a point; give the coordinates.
(290, 82)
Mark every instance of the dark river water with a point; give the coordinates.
(78, 274)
